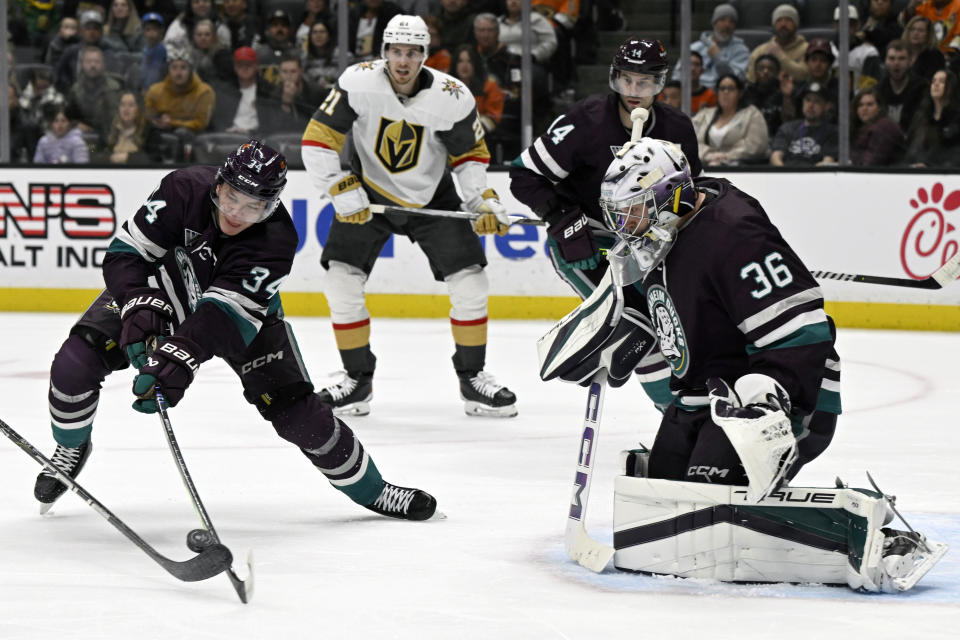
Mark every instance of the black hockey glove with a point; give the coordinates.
(145, 314)
(574, 240)
(171, 365)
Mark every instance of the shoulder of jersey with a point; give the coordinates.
(450, 94)
(364, 76)
(592, 108)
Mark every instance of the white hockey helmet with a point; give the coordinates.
(643, 195)
(403, 29)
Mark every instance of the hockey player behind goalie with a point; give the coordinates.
(755, 380)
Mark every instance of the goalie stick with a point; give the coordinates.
(244, 588)
(206, 564)
(588, 552)
(444, 213)
(937, 280)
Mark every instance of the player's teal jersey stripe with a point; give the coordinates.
(809, 334)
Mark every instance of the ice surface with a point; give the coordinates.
(495, 567)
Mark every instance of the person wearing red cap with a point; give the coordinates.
(243, 102)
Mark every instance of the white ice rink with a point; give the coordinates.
(495, 567)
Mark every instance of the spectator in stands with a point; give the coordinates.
(470, 69)
(63, 143)
(934, 139)
(93, 98)
(786, 45)
(943, 14)
(672, 94)
(439, 56)
(900, 90)
(29, 22)
(166, 8)
(876, 139)
(881, 25)
(211, 59)
(183, 103)
(91, 34)
(731, 132)
(767, 94)
(543, 40)
(244, 103)
(278, 39)
(178, 33)
(314, 12)
(564, 17)
(819, 59)
(67, 35)
(367, 25)
(153, 65)
(701, 95)
(320, 64)
(24, 132)
(456, 23)
(924, 55)
(503, 65)
(127, 135)
(810, 140)
(863, 59)
(720, 50)
(242, 25)
(35, 97)
(122, 29)
(296, 97)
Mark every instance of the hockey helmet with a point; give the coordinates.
(638, 55)
(256, 170)
(643, 195)
(403, 29)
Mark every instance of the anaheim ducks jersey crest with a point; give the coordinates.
(403, 144)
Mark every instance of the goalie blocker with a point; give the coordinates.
(796, 534)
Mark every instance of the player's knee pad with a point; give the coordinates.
(106, 348)
(299, 416)
(77, 367)
(344, 286)
(468, 289)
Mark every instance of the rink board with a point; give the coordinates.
(57, 223)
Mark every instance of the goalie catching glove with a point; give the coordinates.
(753, 416)
(350, 201)
(493, 215)
(172, 365)
(145, 315)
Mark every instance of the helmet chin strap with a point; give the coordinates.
(638, 117)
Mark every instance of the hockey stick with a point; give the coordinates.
(444, 213)
(580, 546)
(212, 560)
(937, 280)
(198, 537)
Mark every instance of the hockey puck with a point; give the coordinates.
(199, 539)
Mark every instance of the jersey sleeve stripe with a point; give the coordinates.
(476, 153)
(778, 308)
(235, 306)
(557, 172)
(320, 135)
(803, 330)
(140, 243)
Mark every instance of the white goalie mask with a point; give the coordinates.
(644, 193)
(403, 29)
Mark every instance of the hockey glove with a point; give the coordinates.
(171, 365)
(574, 241)
(493, 215)
(350, 201)
(753, 416)
(145, 314)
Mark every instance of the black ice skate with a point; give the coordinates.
(483, 396)
(403, 503)
(351, 396)
(69, 460)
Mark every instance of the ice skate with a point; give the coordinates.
(351, 396)
(70, 461)
(403, 503)
(907, 557)
(483, 396)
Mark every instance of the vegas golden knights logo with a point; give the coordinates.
(398, 144)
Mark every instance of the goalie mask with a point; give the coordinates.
(404, 29)
(643, 195)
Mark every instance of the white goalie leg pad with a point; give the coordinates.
(343, 287)
(796, 534)
(581, 332)
(469, 289)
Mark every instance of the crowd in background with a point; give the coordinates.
(143, 81)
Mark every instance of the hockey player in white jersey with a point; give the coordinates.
(413, 128)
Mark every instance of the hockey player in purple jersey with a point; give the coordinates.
(755, 379)
(199, 267)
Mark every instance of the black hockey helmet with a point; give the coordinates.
(638, 55)
(257, 171)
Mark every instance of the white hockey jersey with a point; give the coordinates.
(404, 145)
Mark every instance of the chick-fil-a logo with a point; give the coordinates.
(930, 238)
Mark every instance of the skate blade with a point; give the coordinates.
(477, 409)
(361, 408)
(45, 507)
(925, 562)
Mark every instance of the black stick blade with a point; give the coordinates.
(210, 562)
